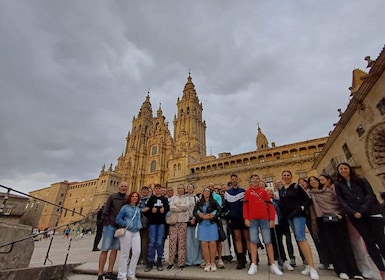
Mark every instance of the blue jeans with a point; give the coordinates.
(156, 242)
(109, 242)
(262, 226)
(298, 224)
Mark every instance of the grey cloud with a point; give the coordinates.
(73, 74)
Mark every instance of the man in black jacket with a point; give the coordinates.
(110, 243)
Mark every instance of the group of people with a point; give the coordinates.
(203, 228)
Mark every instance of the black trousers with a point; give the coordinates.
(339, 247)
(372, 232)
(98, 235)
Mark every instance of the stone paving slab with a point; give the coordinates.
(80, 252)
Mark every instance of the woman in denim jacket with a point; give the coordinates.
(129, 218)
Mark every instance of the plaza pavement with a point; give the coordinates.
(80, 252)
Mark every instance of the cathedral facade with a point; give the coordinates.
(152, 155)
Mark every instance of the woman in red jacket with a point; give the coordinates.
(259, 215)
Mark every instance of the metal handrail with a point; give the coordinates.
(34, 197)
(12, 243)
(36, 234)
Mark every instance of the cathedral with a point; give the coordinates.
(152, 155)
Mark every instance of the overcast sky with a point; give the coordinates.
(74, 73)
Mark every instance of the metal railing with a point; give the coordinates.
(34, 235)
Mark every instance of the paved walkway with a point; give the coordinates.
(80, 252)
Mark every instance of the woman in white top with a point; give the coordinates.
(177, 233)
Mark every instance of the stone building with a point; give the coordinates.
(359, 135)
(11, 207)
(152, 155)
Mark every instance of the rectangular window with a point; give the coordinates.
(269, 181)
(347, 152)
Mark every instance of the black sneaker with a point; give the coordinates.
(100, 277)
(170, 266)
(159, 266)
(110, 275)
(240, 265)
(148, 267)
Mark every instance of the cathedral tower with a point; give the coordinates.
(189, 129)
(189, 134)
(148, 148)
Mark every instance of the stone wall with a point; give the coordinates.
(19, 255)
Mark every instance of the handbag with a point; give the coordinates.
(144, 221)
(171, 218)
(221, 233)
(331, 218)
(121, 231)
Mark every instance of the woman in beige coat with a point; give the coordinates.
(179, 204)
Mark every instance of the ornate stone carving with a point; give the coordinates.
(376, 145)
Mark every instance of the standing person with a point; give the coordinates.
(144, 197)
(129, 218)
(319, 238)
(226, 245)
(362, 207)
(234, 207)
(109, 242)
(294, 201)
(157, 207)
(193, 248)
(218, 198)
(67, 232)
(284, 226)
(277, 234)
(259, 214)
(177, 238)
(326, 214)
(207, 212)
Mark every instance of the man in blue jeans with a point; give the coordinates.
(110, 243)
(156, 208)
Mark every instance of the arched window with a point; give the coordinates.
(153, 166)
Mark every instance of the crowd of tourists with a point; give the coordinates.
(219, 224)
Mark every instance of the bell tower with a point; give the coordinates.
(261, 140)
(189, 129)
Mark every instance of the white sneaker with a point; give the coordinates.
(367, 274)
(287, 266)
(306, 271)
(213, 267)
(275, 270)
(343, 276)
(314, 274)
(207, 267)
(253, 269)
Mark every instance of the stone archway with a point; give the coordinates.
(375, 150)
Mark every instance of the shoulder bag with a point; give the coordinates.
(121, 231)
